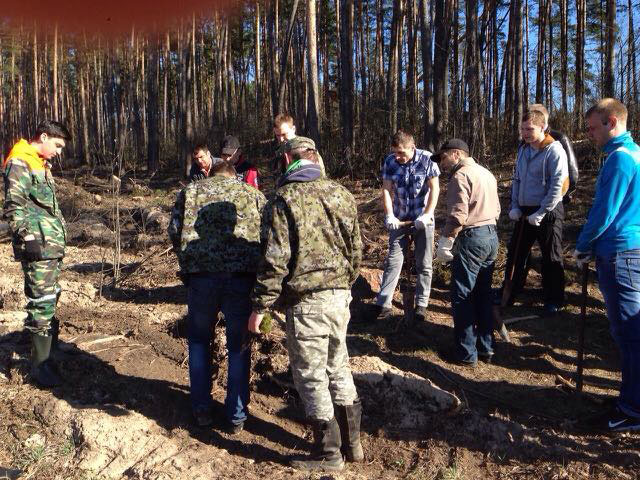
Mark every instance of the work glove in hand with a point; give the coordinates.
(423, 220)
(391, 222)
(443, 254)
(536, 218)
(515, 214)
(582, 258)
(32, 249)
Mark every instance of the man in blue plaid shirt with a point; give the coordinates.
(410, 190)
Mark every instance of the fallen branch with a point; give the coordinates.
(142, 262)
(118, 346)
(567, 383)
(101, 340)
(509, 321)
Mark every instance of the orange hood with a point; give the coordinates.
(27, 153)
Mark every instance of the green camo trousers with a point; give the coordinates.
(317, 344)
(42, 290)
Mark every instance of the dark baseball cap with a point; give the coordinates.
(229, 145)
(451, 144)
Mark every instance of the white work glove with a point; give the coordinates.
(515, 214)
(391, 222)
(535, 218)
(581, 258)
(443, 254)
(423, 220)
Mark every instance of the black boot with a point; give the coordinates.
(326, 450)
(43, 370)
(60, 351)
(348, 417)
(54, 329)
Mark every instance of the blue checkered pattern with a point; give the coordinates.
(410, 181)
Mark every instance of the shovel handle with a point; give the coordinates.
(581, 327)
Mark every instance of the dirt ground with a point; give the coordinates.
(124, 409)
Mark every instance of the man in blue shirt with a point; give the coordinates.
(612, 235)
(410, 190)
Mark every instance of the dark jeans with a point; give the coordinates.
(549, 238)
(475, 253)
(209, 293)
(619, 279)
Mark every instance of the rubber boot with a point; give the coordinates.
(54, 329)
(43, 370)
(60, 351)
(326, 454)
(348, 417)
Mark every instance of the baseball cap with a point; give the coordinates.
(229, 145)
(451, 144)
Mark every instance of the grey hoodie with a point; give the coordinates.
(541, 177)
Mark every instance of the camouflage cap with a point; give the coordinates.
(296, 143)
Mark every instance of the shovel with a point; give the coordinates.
(407, 287)
(581, 327)
(498, 324)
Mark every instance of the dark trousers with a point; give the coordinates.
(549, 238)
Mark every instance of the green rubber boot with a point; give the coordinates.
(43, 370)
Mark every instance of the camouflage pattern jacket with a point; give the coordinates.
(311, 241)
(215, 226)
(30, 204)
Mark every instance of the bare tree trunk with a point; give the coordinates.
(632, 97)
(517, 66)
(393, 68)
(442, 20)
(55, 72)
(564, 49)
(609, 79)
(285, 56)
(580, 44)
(153, 142)
(194, 75)
(83, 110)
(412, 46)
(427, 75)
(313, 103)
(347, 86)
(36, 83)
(380, 49)
(258, 64)
(542, 26)
(476, 122)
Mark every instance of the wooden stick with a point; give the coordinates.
(101, 340)
(581, 327)
(509, 321)
(568, 384)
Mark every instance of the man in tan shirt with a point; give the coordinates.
(472, 210)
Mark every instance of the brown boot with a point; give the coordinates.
(326, 450)
(348, 417)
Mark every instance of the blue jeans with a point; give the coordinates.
(208, 293)
(619, 279)
(475, 253)
(393, 265)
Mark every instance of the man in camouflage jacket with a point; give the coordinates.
(39, 237)
(312, 252)
(215, 231)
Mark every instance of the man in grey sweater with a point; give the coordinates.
(540, 179)
(473, 207)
